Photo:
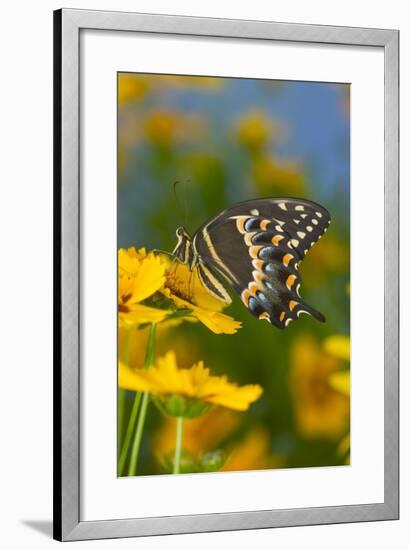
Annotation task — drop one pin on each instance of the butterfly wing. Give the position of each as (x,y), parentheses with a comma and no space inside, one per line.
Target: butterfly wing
(257,246)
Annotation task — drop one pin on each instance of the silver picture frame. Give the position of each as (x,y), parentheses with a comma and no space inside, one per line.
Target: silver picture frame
(68,24)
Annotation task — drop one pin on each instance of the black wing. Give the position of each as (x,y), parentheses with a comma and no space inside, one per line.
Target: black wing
(257,246)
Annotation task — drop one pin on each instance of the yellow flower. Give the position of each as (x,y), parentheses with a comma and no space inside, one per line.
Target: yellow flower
(202,83)
(131,87)
(186,291)
(320,410)
(255,129)
(339,346)
(253,453)
(274,175)
(140,275)
(194,384)
(160,128)
(201,434)
(332,255)
(341,381)
(165,128)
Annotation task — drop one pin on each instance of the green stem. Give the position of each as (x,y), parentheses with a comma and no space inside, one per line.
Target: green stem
(121,418)
(133,463)
(150,351)
(178,446)
(122,393)
(129,431)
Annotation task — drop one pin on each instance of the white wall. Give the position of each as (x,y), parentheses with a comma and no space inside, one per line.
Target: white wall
(25,289)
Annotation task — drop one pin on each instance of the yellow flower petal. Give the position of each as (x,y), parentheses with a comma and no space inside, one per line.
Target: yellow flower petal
(339,346)
(214,320)
(137,314)
(239,399)
(341,382)
(130,379)
(140,276)
(219,323)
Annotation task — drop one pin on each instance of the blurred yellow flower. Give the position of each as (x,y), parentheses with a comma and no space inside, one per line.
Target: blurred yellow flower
(273,175)
(320,410)
(165,128)
(203,83)
(132,342)
(253,453)
(160,127)
(331,255)
(255,129)
(139,276)
(186,291)
(196,383)
(341,381)
(131,87)
(201,434)
(339,346)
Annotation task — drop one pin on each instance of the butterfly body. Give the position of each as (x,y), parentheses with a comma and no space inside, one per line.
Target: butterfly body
(256,246)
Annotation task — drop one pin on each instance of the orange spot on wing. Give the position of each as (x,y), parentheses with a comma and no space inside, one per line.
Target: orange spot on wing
(240,221)
(264,224)
(245,295)
(253,288)
(258,276)
(287,259)
(276,239)
(282,315)
(290,281)
(248,237)
(264,315)
(292,304)
(254,250)
(258,264)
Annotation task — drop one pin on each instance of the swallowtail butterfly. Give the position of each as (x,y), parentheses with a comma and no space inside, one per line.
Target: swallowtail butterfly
(257,247)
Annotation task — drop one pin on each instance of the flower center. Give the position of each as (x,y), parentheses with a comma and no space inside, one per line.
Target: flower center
(125,297)
(178,287)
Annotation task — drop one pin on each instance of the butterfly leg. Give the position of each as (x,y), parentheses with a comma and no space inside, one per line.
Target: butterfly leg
(165,252)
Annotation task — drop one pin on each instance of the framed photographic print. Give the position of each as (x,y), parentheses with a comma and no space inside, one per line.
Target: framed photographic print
(214,180)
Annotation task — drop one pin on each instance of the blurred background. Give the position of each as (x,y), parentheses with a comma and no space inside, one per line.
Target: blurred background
(226,140)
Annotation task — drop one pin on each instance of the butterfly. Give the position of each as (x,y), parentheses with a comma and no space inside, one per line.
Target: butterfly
(256,246)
